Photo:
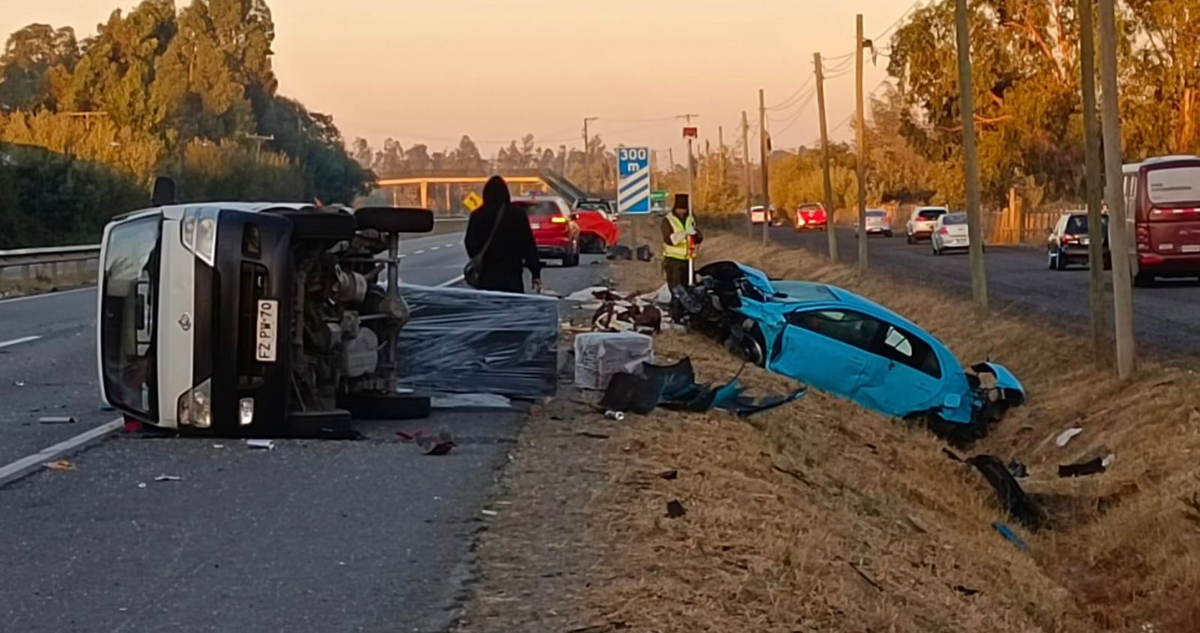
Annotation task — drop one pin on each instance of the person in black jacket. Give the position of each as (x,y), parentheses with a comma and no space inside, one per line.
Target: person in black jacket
(512,248)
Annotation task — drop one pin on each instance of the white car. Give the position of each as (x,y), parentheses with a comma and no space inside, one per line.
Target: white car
(950,233)
(921,224)
(878,223)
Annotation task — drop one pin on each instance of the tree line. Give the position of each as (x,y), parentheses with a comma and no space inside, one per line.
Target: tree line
(188,92)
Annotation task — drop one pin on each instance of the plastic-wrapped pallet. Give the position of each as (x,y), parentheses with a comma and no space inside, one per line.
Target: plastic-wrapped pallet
(461,340)
(601,355)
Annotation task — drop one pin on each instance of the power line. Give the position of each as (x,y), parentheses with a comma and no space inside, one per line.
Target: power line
(786,103)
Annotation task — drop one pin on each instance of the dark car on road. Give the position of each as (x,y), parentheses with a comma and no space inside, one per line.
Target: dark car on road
(1067,244)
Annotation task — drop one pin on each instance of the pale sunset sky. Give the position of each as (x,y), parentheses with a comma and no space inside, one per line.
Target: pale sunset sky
(429,71)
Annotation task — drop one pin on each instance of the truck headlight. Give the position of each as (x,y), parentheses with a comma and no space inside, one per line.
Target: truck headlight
(198,232)
(195,406)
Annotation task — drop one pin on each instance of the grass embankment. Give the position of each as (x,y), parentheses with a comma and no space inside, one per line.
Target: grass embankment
(821,516)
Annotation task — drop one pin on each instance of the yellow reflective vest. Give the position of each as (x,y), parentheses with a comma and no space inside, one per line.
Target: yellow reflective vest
(682,250)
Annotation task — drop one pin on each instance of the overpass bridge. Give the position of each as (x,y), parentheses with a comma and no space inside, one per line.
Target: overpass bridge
(444,190)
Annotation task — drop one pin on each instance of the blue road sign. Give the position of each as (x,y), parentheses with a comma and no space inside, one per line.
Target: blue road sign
(633,181)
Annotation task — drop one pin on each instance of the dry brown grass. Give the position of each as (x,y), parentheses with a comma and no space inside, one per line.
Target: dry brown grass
(784,514)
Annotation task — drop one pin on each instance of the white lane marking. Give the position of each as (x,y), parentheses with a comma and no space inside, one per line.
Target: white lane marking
(18,341)
(46,295)
(419,252)
(434,248)
(450,246)
(30,464)
(452,281)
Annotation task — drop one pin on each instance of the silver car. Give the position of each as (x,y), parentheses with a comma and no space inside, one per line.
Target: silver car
(878,223)
(950,233)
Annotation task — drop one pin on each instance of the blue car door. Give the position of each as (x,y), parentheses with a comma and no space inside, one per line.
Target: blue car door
(905,376)
(826,349)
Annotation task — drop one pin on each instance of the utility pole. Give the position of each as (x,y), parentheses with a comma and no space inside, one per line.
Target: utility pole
(862,151)
(830,211)
(1091,153)
(766,184)
(587,155)
(691,167)
(258,139)
(746,167)
(1114,192)
(970,154)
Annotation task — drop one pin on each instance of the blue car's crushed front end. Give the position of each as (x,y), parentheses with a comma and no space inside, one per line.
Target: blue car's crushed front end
(746,310)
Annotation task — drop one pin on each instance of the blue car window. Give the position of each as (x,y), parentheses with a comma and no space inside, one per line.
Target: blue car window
(902,347)
(871,335)
(848,327)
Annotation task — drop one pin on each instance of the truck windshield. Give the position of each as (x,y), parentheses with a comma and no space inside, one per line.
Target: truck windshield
(128,307)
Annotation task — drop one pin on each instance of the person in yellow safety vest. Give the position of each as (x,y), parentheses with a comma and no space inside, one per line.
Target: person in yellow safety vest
(680,238)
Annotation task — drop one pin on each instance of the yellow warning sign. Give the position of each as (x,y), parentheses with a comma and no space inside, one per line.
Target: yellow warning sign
(472,201)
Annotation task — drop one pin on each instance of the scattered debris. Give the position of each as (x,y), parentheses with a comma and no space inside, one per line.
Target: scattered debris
(675,509)
(268,445)
(615,415)
(966,591)
(644,254)
(1018,470)
(1088,467)
(19,383)
(593,435)
(864,576)
(601,355)
(1012,497)
(952,455)
(168,478)
(406,437)
(471,401)
(104,406)
(674,387)
(56,420)
(218,446)
(1067,436)
(1007,533)
(142,485)
(489,513)
(670,475)
(437,445)
(621,252)
(60,465)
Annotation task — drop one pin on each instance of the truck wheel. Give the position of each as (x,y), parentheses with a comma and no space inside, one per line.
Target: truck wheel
(321,225)
(382,406)
(395,219)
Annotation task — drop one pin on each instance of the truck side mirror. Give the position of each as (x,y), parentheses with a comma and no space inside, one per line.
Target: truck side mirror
(163,193)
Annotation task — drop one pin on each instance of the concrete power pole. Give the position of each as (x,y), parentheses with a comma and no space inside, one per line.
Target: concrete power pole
(1110,117)
(746,168)
(587,155)
(830,211)
(971,156)
(862,153)
(766,185)
(691,166)
(1091,150)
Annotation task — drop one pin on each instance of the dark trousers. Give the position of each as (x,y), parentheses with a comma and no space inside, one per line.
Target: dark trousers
(677,275)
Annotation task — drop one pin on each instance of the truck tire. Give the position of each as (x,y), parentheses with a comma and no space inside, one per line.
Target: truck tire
(379,406)
(333,226)
(395,219)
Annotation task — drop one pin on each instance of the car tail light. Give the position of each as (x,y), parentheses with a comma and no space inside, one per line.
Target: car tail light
(1143,238)
(558,219)
(1067,238)
(944,231)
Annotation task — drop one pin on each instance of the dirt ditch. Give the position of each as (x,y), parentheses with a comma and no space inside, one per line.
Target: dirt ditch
(821,516)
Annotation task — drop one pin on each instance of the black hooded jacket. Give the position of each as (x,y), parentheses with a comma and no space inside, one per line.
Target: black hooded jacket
(513,247)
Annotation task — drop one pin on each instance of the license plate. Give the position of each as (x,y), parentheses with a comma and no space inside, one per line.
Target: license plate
(534,225)
(266,336)
(1191,248)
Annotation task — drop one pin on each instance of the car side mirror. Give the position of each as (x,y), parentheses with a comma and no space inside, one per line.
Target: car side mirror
(952,401)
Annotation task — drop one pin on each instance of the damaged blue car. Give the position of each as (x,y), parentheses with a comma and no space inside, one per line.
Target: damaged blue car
(844,344)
